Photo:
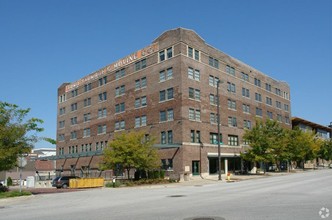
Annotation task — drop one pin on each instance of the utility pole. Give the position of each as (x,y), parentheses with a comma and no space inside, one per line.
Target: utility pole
(218,138)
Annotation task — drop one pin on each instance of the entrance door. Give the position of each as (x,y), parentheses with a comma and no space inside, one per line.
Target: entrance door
(195,168)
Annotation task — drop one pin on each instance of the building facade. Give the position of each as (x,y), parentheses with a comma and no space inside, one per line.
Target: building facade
(168,90)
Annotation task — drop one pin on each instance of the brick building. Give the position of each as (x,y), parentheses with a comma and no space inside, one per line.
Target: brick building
(169,90)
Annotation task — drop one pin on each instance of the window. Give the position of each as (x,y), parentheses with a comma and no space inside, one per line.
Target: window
(120,73)
(247,124)
(101,129)
(73,121)
(73,135)
(167,164)
(102,113)
(278,91)
(62,98)
(213,118)
(161,55)
(166,74)
(233,140)
(214,138)
(120,90)
(140,65)
(102,96)
(140,102)
(87,87)
(213,81)
(120,107)
(61,124)
(196,54)
(170,136)
(194,74)
(190,52)
(195,136)
(232,122)
(87,117)
(287,121)
(140,121)
(213,99)
(268,101)
(169,52)
(166,139)
(278,104)
(167,115)
(166,94)
(194,94)
(269,114)
(231,87)
(61,137)
(194,114)
(268,87)
(245,76)
(102,81)
(87,102)
(214,62)
(140,83)
(74,92)
(279,118)
(258,97)
(62,111)
(120,125)
(230,70)
(259,112)
(257,82)
(86,132)
(73,107)
(246,108)
(245,92)
(231,104)
(286,107)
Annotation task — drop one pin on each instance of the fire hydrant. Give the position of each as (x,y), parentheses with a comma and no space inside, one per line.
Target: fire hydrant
(228,176)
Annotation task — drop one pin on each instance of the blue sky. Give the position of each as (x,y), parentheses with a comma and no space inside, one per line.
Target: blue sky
(45,43)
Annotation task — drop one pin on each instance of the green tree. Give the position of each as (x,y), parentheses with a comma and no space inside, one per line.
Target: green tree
(17,134)
(267,143)
(325,152)
(303,145)
(131,151)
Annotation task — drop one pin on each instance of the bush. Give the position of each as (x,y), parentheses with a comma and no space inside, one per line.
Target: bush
(3,188)
(9,181)
(110,184)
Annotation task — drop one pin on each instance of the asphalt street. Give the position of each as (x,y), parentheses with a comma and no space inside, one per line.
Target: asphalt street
(295,196)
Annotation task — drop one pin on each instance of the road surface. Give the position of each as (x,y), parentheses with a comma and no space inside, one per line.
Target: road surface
(295,196)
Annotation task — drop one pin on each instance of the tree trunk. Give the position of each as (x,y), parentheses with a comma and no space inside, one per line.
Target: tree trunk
(128,173)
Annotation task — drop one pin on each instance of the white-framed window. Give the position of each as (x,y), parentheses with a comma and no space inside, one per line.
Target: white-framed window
(140,102)
(246,108)
(258,97)
(230,70)
(165,54)
(86,132)
(194,93)
(231,87)
(231,104)
(245,76)
(245,92)
(140,83)
(120,73)
(140,64)
(247,124)
(102,96)
(165,95)
(87,117)
(214,62)
(232,122)
(121,107)
(213,81)
(268,101)
(233,140)
(120,90)
(257,82)
(102,81)
(194,114)
(102,112)
(166,74)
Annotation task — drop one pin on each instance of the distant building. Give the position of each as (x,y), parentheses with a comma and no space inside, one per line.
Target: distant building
(169,90)
(320,130)
(36,166)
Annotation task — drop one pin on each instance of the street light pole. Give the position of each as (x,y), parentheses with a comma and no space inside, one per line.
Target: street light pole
(331,131)
(218,138)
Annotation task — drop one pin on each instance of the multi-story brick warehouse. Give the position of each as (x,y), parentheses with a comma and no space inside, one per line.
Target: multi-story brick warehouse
(168,90)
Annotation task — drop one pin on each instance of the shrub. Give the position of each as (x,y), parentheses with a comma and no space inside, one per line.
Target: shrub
(9,181)
(3,188)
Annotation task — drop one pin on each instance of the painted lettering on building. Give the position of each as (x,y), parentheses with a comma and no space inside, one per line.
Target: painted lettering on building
(118,64)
